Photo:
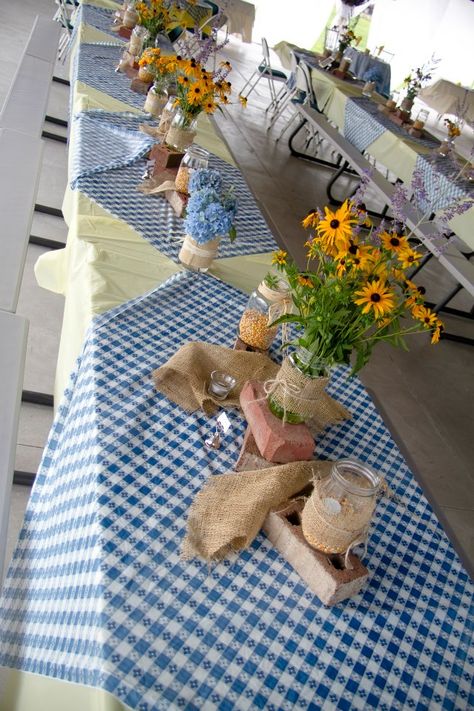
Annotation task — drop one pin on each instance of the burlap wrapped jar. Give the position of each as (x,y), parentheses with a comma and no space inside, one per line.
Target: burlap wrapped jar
(145,75)
(337,515)
(181,132)
(155,102)
(130,17)
(198,257)
(297,397)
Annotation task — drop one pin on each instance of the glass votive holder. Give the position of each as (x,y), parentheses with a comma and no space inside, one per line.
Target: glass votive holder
(422,116)
(220,384)
(368,88)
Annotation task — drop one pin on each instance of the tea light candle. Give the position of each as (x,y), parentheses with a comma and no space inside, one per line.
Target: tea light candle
(221,384)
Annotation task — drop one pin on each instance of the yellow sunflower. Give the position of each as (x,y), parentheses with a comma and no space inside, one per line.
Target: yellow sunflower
(377,297)
(311,219)
(336,227)
(409,258)
(279,257)
(305,281)
(393,242)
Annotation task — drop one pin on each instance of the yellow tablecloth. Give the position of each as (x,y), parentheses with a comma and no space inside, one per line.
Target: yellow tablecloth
(395,152)
(105,261)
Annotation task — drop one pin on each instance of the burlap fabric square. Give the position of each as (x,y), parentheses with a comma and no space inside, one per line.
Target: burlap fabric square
(229,511)
(185,377)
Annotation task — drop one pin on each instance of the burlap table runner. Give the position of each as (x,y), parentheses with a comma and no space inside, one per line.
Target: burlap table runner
(229,511)
(185,377)
(296,392)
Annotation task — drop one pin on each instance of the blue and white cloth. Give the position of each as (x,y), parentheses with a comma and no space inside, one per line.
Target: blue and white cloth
(107,167)
(95,65)
(364,123)
(97,593)
(99,17)
(442,182)
(107,140)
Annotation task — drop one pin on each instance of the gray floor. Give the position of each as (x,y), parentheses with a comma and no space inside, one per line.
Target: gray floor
(426,395)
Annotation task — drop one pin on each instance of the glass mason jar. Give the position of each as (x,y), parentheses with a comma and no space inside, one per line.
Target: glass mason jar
(182,131)
(195,158)
(130,16)
(155,101)
(337,515)
(264,306)
(167,114)
(368,88)
(446,148)
(145,75)
(301,379)
(198,257)
(138,37)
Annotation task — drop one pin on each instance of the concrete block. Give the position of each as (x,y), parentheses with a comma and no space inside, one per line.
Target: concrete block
(140,87)
(125,32)
(276,441)
(165,157)
(325,575)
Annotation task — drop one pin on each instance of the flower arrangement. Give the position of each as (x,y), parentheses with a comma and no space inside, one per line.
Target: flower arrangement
(454,129)
(163,69)
(358,295)
(200,90)
(154,15)
(346,38)
(210,212)
(418,78)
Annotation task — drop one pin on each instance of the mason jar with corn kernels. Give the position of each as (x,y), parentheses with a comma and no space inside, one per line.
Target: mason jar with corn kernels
(264,306)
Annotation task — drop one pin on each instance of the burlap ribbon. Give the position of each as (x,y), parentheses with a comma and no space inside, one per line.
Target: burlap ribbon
(185,377)
(229,511)
(295,392)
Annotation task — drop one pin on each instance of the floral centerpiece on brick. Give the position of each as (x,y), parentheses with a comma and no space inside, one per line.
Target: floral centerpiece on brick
(210,214)
(415,81)
(356,296)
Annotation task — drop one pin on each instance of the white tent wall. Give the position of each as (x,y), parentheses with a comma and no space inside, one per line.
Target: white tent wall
(298,21)
(414,30)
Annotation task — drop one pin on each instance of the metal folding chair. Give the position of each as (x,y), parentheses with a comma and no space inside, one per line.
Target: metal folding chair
(273,76)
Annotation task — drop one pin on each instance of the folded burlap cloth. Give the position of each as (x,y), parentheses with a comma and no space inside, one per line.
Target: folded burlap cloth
(185,377)
(229,511)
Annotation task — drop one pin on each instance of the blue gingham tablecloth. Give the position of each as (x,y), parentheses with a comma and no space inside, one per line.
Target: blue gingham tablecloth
(364,123)
(442,182)
(97,593)
(99,17)
(94,64)
(362,63)
(106,166)
(107,140)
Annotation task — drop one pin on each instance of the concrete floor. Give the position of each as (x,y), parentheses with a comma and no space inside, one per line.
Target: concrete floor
(426,395)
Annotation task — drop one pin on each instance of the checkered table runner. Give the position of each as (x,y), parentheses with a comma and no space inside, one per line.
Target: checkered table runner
(364,123)
(442,182)
(99,17)
(97,593)
(108,171)
(107,140)
(95,65)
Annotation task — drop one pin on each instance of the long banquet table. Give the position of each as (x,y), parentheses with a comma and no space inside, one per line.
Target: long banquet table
(99,611)
(120,248)
(358,119)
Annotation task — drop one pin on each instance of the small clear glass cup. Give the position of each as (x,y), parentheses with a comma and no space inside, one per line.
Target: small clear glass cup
(221,384)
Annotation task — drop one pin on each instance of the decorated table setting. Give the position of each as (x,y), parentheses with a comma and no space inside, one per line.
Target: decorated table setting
(123,242)
(390,134)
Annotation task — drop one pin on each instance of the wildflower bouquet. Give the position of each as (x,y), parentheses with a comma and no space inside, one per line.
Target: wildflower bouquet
(454,129)
(210,211)
(200,90)
(418,78)
(154,15)
(163,69)
(346,38)
(358,295)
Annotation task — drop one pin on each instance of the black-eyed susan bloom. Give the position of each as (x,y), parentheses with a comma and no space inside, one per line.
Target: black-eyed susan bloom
(394,242)
(311,220)
(336,227)
(408,258)
(243,100)
(280,257)
(375,297)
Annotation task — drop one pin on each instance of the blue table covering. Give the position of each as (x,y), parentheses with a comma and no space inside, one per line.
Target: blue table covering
(97,593)
(443,184)
(364,123)
(100,17)
(369,68)
(106,166)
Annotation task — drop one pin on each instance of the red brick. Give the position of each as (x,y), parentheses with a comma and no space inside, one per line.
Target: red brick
(276,441)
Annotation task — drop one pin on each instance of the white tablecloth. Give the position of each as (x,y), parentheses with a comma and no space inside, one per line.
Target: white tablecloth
(240,18)
(446,98)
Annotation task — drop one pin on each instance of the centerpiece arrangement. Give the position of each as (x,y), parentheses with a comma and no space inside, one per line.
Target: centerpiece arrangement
(161,71)
(415,81)
(210,215)
(356,295)
(198,90)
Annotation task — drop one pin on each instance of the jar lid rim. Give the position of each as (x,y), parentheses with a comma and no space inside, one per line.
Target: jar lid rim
(360,468)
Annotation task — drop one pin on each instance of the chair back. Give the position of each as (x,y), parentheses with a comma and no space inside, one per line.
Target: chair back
(304,82)
(386,56)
